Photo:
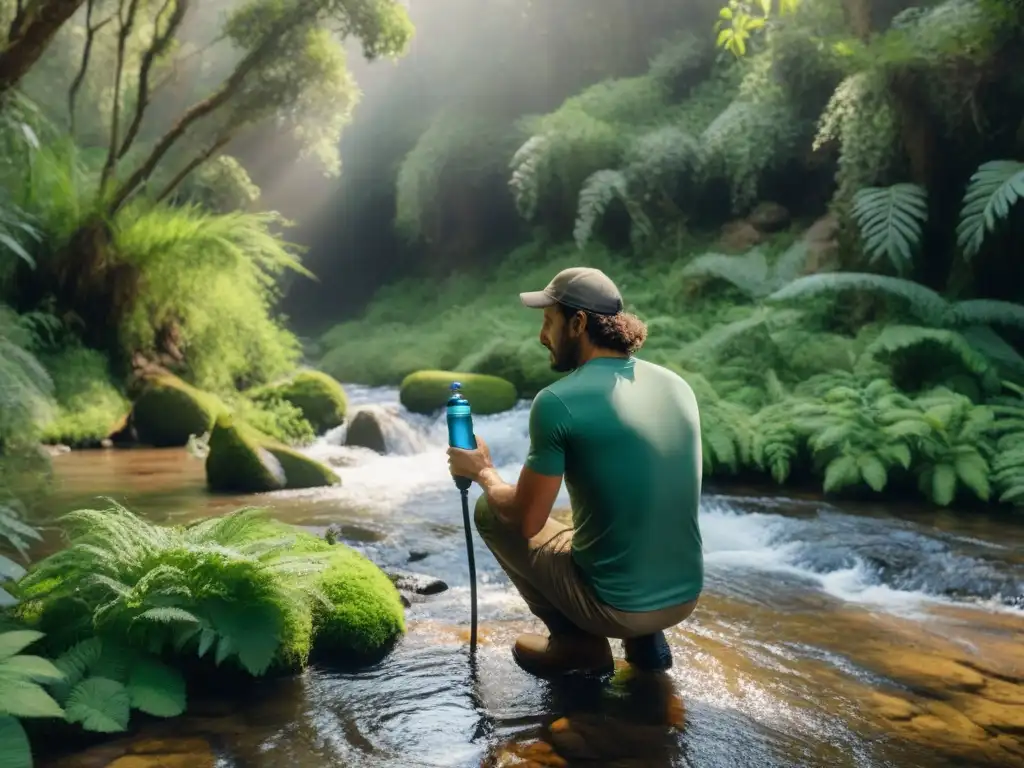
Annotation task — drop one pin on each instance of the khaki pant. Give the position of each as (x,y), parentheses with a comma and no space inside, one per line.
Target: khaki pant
(543,571)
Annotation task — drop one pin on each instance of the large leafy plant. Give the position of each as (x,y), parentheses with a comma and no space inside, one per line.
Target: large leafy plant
(22,694)
(220,587)
(101,682)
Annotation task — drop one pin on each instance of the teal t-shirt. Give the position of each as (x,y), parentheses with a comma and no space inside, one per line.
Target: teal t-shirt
(626,435)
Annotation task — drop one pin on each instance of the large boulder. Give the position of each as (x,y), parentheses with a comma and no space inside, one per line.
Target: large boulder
(168,411)
(321,399)
(243,460)
(366,430)
(427,392)
(364,615)
(524,363)
(769,217)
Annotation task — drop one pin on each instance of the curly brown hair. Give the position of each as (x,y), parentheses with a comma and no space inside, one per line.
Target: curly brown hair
(622,332)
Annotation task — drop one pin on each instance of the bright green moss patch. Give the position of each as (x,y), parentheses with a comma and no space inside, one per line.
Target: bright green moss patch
(365,616)
(237,463)
(169,411)
(90,406)
(428,391)
(320,398)
(242,460)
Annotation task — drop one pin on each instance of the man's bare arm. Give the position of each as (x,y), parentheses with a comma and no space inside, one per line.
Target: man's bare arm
(527,504)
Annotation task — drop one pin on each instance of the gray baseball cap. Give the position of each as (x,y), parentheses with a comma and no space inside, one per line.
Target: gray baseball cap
(580,288)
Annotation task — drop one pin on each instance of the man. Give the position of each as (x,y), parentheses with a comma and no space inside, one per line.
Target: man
(625,434)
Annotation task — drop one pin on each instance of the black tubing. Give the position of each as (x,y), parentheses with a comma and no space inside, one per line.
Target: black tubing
(472,568)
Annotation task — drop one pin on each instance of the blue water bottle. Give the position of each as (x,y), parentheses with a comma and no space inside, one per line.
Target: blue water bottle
(460,427)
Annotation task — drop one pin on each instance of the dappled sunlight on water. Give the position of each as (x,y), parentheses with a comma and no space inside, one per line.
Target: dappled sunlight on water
(826,637)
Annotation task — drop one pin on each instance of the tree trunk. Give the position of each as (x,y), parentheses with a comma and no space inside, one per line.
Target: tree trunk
(858,16)
(30,37)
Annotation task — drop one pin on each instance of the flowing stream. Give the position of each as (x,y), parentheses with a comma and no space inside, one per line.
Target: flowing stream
(827,636)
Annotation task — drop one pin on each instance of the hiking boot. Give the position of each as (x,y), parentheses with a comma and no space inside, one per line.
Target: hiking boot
(650,653)
(560,654)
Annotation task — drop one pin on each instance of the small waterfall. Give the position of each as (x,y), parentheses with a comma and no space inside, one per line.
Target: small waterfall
(751,546)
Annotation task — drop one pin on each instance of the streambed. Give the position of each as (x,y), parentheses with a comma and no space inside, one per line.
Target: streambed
(828,635)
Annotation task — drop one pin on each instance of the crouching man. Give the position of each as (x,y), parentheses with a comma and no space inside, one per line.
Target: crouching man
(625,435)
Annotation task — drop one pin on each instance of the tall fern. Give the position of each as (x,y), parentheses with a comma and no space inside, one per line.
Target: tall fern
(924,304)
(25,405)
(750,272)
(1008,431)
(993,190)
(951,447)
(219,587)
(890,221)
(598,192)
(858,434)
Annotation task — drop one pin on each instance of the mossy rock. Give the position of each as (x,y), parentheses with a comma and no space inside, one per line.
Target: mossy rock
(526,364)
(366,431)
(427,392)
(169,411)
(321,399)
(242,460)
(365,617)
(90,405)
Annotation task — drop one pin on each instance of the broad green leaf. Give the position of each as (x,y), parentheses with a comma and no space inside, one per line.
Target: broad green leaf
(100,705)
(23,698)
(17,248)
(156,689)
(12,643)
(873,471)
(944,482)
(15,751)
(74,663)
(34,668)
(841,473)
(10,570)
(168,616)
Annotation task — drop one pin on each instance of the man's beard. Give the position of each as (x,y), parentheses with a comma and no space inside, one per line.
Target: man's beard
(566,355)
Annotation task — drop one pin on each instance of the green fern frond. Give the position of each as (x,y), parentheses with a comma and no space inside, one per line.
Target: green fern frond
(527,166)
(896,339)
(748,272)
(127,578)
(599,190)
(663,154)
(993,190)
(989,343)
(924,303)
(890,221)
(988,312)
(789,265)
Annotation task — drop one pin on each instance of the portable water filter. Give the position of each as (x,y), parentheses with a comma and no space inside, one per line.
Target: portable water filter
(460,435)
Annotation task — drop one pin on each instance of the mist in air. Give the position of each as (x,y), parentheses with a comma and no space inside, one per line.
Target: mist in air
(475,68)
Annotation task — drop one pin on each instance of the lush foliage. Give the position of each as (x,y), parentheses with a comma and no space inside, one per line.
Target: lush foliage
(217,587)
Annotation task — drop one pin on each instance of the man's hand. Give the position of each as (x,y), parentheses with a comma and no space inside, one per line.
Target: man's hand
(470,463)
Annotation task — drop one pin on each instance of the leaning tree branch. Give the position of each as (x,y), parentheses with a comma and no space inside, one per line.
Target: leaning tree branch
(18,22)
(91,30)
(207,106)
(194,163)
(127,25)
(30,34)
(161,42)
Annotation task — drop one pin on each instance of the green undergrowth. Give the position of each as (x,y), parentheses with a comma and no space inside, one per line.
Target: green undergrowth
(122,619)
(90,405)
(793,382)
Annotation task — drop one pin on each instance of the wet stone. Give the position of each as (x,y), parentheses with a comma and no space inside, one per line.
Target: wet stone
(349,532)
(417,583)
(418,554)
(893,708)
(184,752)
